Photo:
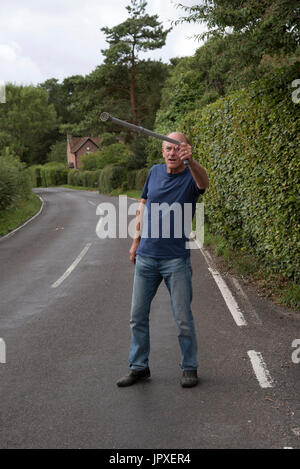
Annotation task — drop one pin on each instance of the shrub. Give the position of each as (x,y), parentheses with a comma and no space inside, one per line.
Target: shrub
(117,153)
(131,175)
(248,143)
(15,181)
(54,174)
(111,177)
(141,176)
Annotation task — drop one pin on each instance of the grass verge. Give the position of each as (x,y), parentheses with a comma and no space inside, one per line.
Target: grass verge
(130,193)
(280,290)
(18,213)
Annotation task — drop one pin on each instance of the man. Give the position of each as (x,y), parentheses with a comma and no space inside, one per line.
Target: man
(158,257)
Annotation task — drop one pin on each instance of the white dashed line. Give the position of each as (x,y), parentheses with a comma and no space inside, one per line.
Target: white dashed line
(260,369)
(72,267)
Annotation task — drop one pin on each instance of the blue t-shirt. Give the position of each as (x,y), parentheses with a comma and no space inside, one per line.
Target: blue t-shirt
(169,210)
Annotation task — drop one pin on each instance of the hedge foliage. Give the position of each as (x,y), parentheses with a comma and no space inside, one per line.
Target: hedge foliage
(249,144)
(15,181)
(83,178)
(50,174)
(112,154)
(111,177)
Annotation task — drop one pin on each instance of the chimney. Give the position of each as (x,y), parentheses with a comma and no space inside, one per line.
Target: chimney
(69,138)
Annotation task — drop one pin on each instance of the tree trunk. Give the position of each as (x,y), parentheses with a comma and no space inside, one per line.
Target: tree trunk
(132,87)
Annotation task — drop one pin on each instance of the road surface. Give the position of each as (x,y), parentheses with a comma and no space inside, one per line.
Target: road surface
(64,323)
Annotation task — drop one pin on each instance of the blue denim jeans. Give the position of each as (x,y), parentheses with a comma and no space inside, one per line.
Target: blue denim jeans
(177,274)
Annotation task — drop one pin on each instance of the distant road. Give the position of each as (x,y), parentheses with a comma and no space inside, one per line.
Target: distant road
(64,319)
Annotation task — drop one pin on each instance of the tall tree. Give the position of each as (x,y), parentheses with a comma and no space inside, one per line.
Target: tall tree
(274,25)
(140,32)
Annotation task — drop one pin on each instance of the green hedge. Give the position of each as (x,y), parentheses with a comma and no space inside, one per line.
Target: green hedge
(112,177)
(83,178)
(140,179)
(249,144)
(15,183)
(49,174)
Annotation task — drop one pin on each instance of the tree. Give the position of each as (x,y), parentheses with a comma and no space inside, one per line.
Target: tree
(27,122)
(140,32)
(274,25)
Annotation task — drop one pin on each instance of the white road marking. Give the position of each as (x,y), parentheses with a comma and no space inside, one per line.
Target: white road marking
(260,369)
(229,299)
(72,267)
(11,233)
(92,203)
(255,317)
(225,291)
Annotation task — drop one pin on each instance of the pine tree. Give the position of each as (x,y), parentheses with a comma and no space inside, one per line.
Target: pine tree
(140,32)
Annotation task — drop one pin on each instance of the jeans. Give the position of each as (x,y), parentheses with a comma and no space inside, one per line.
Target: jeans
(177,274)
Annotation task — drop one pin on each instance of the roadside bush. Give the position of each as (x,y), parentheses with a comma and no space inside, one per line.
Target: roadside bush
(131,175)
(90,178)
(35,175)
(111,177)
(140,179)
(117,153)
(74,177)
(249,144)
(15,181)
(53,174)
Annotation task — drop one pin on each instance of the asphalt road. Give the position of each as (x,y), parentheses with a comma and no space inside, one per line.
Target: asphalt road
(67,338)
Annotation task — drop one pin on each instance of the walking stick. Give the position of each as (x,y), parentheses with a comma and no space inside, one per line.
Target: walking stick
(107,117)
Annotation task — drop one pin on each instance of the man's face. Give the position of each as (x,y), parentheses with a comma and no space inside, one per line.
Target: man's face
(170,153)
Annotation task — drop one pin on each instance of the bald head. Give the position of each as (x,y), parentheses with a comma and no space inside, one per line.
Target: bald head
(177,136)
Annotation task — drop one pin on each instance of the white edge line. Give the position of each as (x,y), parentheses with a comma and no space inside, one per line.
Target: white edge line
(260,369)
(229,299)
(11,233)
(241,292)
(225,291)
(72,266)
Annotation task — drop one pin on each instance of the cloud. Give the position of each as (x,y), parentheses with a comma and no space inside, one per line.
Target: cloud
(60,38)
(17,68)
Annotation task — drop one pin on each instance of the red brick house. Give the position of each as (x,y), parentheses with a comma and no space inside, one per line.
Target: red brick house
(78,146)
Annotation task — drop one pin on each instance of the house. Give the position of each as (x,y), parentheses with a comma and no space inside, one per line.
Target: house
(78,146)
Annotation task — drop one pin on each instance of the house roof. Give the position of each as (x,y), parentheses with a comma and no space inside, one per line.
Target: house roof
(77,142)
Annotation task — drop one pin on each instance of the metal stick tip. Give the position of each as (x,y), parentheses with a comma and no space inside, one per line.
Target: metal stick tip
(105,116)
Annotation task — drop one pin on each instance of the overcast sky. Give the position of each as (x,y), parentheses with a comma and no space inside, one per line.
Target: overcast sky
(41,39)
